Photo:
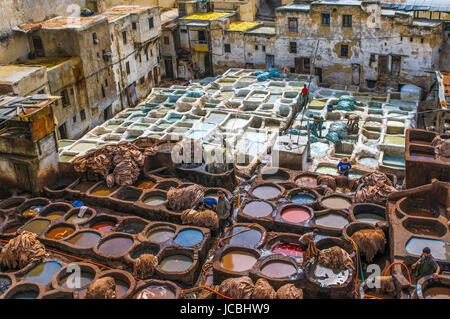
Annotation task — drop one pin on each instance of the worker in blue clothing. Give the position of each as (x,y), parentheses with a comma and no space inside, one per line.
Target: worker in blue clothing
(344,166)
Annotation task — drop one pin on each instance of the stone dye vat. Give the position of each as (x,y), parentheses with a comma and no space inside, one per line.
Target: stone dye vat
(440,249)
(189,237)
(238,261)
(115,245)
(43,272)
(331,220)
(85,239)
(176,263)
(36,226)
(293,213)
(336,202)
(288,249)
(243,236)
(160,234)
(278,269)
(266,191)
(258,209)
(60,232)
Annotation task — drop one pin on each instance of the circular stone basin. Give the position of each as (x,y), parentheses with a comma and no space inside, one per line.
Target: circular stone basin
(333,220)
(60,232)
(122,287)
(104,227)
(102,190)
(43,273)
(295,214)
(85,239)
(12,229)
(278,269)
(266,191)
(249,237)
(325,169)
(85,280)
(279,176)
(32,211)
(159,235)
(336,202)
(292,250)
(307,181)
(145,184)
(115,246)
(189,237)
(27,294)
(370,218)
(155,292)
(176,263)
(437,293)
(5,283)
(132,227)
(303,198)
(139,252)
(55,215)
(257,209)
(74,219)
(155,200)
(36,226)
(238,261)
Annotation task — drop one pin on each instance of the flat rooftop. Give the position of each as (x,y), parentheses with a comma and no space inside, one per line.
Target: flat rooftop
(10,74)
(242,26)
(12,107)
(112,16)
(69,22)
(209,16)
(128,9)
(263,30)
(169,15)
(48,62)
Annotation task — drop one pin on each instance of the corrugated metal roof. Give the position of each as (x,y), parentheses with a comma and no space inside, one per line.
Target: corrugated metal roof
(418,5)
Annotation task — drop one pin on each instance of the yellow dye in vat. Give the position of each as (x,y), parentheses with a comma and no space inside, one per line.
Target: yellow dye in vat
(397,140)
(317,103)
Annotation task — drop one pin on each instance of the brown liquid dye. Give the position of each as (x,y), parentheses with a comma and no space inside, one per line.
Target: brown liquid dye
(437,293)
(278,269)
(335,202)
(238,261)
(60,233)
(102,190)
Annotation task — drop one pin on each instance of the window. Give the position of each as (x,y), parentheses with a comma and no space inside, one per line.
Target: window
(133,25)
(292,25)
(127,66)
(227,48)
(292,47)
(264,48)
(347,21)
(326,19)
(142,80)
(373,58)
(140,58)
(82,115)
(201,36)
(396,63)
(183,30)
(124,37)
(94,38)
(107,113)
(62,131)
(411,39)
(292,70)
(371,84)
(64,98)
(256,48)
(344,50)
(401,38)
(103,91)
(74,119)
(166,40)
(106,82)
(150,23)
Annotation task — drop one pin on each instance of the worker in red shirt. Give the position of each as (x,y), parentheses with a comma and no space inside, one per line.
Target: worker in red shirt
(304,95)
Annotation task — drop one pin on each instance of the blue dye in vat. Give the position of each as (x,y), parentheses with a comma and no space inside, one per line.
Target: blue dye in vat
(303,198)
(189,237)
(393,160)
(5,283)
(43,273)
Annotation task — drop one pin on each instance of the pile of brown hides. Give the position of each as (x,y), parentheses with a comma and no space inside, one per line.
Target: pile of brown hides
(370,242)
(326,180)
(335,258)
(103,288)
(21,251)
(375,189)
(180,199)
(119,164)
(145,265)
(206,218)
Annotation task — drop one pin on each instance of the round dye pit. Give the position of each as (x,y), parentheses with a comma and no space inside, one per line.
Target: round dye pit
(5,283)
(121,288)
(335,202)
(303,198)
(85,239)
(104,227)
(370,218)
(115,246)
(307,181)
(155,200)
(329,170)
(12,229)
(103,191)
(84,186)
(266,191)
(295,215)
(238,261)
(333,220)
(31,294)
(36,226)
(437,293)
(85,280)
(146,184)
(159,235)
(43,273)
(131,228)
(54,215)
(155,292)
(60,233)
(249,237)
(439,249)
(139,252)
(189,237)
(292,250)
(278,269)
(176,263)
(280,176)
(32,211)
(74,219)
(257,209)
(368,161)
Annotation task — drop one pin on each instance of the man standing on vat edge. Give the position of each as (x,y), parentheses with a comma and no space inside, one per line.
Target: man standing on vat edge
(425,265)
